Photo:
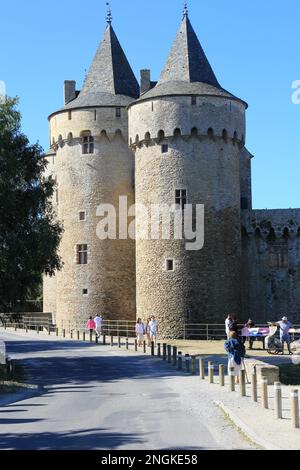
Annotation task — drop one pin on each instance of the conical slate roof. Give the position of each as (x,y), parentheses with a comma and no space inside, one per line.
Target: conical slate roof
(110,80)
(187,60)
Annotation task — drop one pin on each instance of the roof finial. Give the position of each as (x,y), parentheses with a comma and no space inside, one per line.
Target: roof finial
(109,14)
(185,9)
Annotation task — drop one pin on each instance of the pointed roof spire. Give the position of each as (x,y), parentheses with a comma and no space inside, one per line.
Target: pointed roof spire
(185,9)
(110,71)
(187,60)
(109,14)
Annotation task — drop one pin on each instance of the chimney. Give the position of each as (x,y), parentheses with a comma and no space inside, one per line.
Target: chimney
(69,91)
(145,81)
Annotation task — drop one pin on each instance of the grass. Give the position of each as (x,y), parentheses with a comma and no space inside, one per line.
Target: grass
(289,374)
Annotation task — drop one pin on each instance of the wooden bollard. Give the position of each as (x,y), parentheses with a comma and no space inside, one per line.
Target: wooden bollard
(49,330)
(222,375)
(78,335)
(264,393)
(104,339)
(169,349)
(278,400)
(145,347)
(254,385)
(174,355)
(15,327)
(164,352)
(295,409)
(71,334)
(83,336)
(96,338)
(135,345)
(152,348)
(26,329)
(187,363)
(112,341)
(193,365)
(119,341)
(64,333)
(127,343)
(179,361)
(211,372)
(91,336)
(243,383)
(232,380)
(38,330)
(158,350)
(202,369)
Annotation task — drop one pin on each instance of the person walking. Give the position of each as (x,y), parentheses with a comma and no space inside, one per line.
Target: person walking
(246,332)
(98,322)
(236,353)
(147,331)
(227,325)
(285,325)
(140,330)
(153,327)
(91,326)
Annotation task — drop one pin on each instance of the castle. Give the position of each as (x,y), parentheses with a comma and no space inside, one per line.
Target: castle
(180,140)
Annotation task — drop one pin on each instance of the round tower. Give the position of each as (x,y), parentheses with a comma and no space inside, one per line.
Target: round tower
(94,166)
(187,134)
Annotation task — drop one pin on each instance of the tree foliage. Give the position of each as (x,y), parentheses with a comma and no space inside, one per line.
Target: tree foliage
(29,232)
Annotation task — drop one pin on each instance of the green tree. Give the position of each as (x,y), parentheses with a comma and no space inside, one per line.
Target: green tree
(29,233)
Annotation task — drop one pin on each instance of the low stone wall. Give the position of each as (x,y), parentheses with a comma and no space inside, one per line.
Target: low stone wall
(263,370)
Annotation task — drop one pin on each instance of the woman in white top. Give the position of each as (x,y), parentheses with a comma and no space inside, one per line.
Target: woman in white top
(139,328)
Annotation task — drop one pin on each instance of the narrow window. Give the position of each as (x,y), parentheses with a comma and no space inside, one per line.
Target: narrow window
(164,148)
(70,115)
(181,198)
(152,106)
(85,291)
(87,144)
(95,115)
(118,112)
(194,100)
(82,254)
(82,216)
(169,265)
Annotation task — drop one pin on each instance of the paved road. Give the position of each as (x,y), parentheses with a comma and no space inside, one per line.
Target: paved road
(96,397)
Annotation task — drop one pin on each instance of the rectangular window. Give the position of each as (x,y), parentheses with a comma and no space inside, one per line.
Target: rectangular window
(82,254)
(95,115)
(181,198)
(169,265)
(88,145)
(70,115)
(194,100)
(85,291)
(82,216)
(279,257)
(118,112)
(164,148)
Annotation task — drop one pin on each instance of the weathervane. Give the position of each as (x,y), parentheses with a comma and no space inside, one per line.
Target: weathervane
(109,14)
(185,10)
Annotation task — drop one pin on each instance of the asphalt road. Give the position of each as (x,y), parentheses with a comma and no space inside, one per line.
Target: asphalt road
(98,397)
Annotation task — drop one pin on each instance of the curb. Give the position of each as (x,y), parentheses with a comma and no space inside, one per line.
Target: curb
(245,429)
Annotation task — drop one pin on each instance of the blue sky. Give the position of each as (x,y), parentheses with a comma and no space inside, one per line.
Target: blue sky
(253,46)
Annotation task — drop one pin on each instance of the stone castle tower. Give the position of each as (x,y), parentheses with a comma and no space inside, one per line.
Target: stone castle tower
(93,165)
(184,138)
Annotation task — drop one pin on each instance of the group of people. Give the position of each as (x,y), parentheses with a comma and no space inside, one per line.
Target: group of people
(235,344)
(150,329)
(95,324)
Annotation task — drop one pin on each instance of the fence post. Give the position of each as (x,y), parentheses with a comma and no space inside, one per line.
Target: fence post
(104,339)
(243,383)
(164,351)
(264,393)
(158,350)
(174,355)
(193,365)
(78,335)
(112,341)
(222,375)
(169,349)
(278,400)
(83,336)
(119,341)
(202,368)
(207,332)
(135,345)
(145,347)
(180,361)
(254,385)
(295,409)
(187,363)
(127,343)
(71,334)
(211,372)
(64,333)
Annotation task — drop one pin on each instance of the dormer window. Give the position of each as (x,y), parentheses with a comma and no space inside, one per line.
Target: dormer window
(87,143)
